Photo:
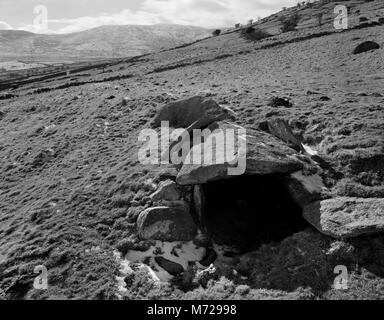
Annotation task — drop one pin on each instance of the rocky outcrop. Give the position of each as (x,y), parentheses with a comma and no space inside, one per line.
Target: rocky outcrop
(198,109)
(265,154)
(346,217)
(166,224)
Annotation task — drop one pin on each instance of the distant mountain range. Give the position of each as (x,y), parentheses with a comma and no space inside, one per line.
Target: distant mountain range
(97,43)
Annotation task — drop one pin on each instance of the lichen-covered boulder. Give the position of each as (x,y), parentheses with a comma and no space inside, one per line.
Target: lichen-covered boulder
(183,113)
(166,224)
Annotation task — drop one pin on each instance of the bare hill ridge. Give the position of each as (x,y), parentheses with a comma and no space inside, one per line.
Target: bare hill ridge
(97,43)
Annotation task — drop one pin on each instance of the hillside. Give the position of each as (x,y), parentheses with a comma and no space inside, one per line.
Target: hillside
(98,43)
(73,194)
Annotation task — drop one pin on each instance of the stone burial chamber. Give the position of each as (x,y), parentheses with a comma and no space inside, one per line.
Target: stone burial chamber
(261,205)
(249,210)
(279,193)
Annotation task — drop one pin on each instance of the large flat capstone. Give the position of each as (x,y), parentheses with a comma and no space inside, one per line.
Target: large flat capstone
(264,154)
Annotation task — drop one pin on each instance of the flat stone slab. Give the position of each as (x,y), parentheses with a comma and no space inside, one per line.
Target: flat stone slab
(346,217)
(265,154)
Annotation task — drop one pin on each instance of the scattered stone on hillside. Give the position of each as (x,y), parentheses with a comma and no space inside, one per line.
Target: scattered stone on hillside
(125,101)
(311,92)
(280,102)
(184,113)
(171,267)
(166,224)
(43,157)
(281,129)
(6,96)
(167,190)
(366,46)
(50,130)
(304,189)
(265,154)
(346,217)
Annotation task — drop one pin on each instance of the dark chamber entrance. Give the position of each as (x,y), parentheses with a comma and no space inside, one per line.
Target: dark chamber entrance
(247,211)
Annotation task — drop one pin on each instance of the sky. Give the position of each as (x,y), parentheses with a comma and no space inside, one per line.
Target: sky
(65,16)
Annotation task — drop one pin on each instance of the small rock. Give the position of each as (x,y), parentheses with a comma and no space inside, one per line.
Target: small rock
(166,224)
(125,101)
(310,92)
(346,217)
(171,267)
(167,191)
(366,46)
(43,157)
(280,102)
(50,130)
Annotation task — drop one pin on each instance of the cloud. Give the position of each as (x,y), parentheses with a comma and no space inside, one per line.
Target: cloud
(204,13)
(5,26)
